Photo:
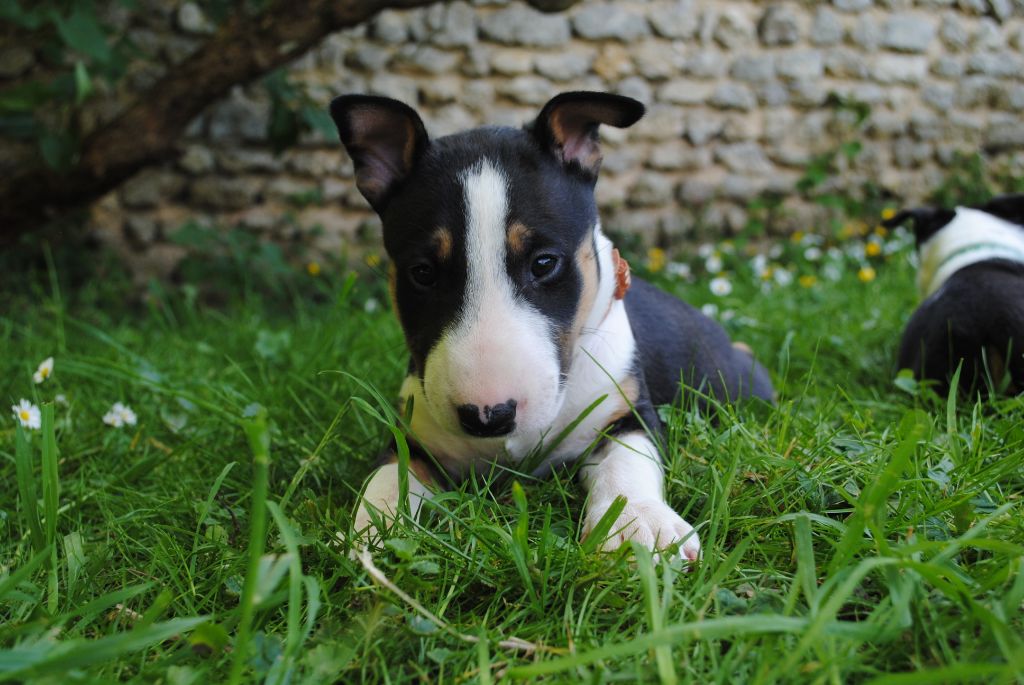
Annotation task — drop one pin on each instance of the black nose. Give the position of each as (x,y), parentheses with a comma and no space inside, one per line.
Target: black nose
(498,420)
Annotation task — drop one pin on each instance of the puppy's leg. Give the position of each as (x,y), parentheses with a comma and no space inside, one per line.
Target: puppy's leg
(628,465)
(381,498)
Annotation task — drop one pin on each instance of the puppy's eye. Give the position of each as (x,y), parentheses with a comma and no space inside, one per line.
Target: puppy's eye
(544,267)
(423,274)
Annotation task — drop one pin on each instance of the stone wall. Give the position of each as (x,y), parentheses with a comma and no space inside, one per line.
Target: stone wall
(737,94)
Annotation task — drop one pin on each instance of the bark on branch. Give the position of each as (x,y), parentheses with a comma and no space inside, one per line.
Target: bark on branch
(244,48)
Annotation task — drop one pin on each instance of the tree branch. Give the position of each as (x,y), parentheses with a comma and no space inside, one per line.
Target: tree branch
(244,48)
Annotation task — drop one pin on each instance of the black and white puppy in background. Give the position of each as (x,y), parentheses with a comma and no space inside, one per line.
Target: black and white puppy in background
(971,279)
(518,315)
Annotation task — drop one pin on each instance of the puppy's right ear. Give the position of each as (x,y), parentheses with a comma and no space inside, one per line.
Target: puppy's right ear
(384,138)
(925,221)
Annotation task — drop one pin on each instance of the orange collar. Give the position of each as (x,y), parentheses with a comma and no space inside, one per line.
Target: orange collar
(622,279)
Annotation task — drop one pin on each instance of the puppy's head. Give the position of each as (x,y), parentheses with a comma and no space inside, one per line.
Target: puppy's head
(498,259)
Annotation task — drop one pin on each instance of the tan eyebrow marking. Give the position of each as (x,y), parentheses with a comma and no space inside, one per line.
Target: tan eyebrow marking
(443,243)
(517,237)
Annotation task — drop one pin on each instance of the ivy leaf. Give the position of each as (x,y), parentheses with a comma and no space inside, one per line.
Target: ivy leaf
(58,149)
(83,83)
(318,119)
(82,32)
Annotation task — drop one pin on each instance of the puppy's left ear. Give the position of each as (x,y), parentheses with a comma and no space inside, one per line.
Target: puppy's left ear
(567,126)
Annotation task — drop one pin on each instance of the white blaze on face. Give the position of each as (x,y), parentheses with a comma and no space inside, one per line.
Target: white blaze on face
(499,347)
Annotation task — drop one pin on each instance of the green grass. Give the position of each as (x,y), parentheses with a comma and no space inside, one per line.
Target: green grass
(861,530)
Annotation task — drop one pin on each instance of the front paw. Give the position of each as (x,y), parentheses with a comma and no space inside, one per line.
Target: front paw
(651,523)
(365,528)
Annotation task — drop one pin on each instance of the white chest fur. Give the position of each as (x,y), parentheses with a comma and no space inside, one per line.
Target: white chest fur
(972,236)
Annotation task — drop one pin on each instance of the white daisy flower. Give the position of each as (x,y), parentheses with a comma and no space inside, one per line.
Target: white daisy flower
(371,305)
(713,263)
(812,254)
(27,414)
(758,264)
(44,371)
(705,250)
(680,270)
(120,415)
(721,286)
(783,276)
(710,310)
(832,272)
(61,399)
(856,251)
(775,251)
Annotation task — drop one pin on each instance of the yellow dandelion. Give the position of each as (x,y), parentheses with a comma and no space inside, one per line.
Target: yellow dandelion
(888,213)
(881,231)
(797,236)
(767,274)
(866,274)
(313,269)
(372,260)
(808,280)
(656,259)
(872,249)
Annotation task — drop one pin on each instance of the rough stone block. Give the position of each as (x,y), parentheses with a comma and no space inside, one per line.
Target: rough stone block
(753,68)
(677,20)
(800,64)
(827,27)
(684,92)
(527,90)
(608,21)
(151,187)
(899,69)
(779,25)
(908,32)
(733,96)
(744,157)
(522,25)
(651,190)
(564,65)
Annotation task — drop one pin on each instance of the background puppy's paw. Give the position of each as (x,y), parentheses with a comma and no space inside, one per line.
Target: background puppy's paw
(651,523)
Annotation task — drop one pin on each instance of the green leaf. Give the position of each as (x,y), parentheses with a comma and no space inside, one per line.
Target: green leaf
(209,638)
(318,119)
(58,149)
(74,554)
(82,32)
(271,570)
(404,548)
(83,82)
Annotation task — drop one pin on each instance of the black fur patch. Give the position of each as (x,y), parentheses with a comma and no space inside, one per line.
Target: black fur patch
(927,221)
(558,209)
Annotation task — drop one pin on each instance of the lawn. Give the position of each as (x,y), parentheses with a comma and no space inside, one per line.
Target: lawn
(863,529)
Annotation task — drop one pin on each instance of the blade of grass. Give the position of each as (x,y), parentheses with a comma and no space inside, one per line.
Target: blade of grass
(23,573)
(599,533)
(258,433)
(44,657)
(655,617)
(27,488)
(51,502)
